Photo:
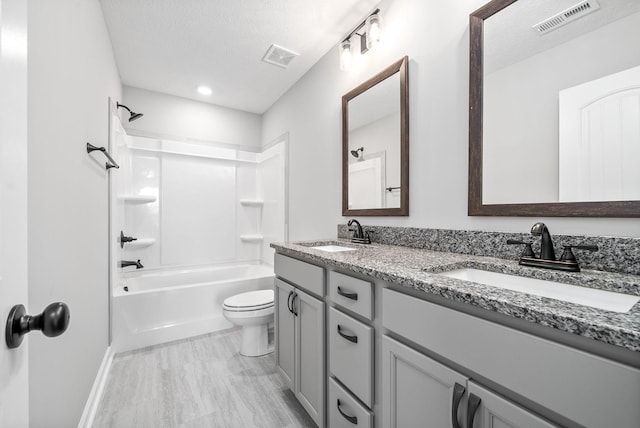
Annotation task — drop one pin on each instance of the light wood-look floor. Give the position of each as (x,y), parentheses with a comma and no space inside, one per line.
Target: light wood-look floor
(197,382)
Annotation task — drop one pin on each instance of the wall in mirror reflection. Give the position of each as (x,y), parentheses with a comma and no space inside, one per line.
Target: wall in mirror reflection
(378,166)
(525,160)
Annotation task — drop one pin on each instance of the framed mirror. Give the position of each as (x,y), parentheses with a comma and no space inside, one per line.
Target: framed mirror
(554,108)
(375,145)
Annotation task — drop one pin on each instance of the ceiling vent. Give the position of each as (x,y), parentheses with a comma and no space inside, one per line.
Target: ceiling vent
(277,55)
(575,12)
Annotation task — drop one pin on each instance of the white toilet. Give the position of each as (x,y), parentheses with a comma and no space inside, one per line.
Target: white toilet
(253,311)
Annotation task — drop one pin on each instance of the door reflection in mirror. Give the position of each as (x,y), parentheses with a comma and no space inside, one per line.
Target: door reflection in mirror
(599,150)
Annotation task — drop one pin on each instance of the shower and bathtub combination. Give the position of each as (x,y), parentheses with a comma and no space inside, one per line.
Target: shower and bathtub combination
(199,217)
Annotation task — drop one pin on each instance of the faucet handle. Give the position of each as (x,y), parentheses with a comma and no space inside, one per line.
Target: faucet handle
(568,256)
(527,251)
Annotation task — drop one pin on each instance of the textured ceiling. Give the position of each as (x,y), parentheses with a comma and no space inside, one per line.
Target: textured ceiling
(172,46)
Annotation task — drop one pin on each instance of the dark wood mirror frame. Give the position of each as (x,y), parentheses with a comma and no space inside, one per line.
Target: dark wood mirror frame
(476,207)
(401,67)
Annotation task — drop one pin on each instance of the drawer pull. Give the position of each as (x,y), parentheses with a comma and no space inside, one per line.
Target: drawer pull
(352,296)
(294,310)
(472,408)
(458,392)
(352,419)
(289,306)
(353,339)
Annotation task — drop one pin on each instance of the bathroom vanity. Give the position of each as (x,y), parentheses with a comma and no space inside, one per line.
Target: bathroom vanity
(393,341)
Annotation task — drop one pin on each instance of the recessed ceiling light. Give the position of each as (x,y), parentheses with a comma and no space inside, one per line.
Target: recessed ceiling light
(204,90)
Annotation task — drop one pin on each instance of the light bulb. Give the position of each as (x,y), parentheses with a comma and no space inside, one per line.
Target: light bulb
(346,57)
(374,30)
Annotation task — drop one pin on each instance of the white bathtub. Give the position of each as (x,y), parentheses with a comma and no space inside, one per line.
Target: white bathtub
(160,306)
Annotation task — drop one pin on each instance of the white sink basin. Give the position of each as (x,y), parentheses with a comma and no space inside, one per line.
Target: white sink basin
(333,248)
(607,300)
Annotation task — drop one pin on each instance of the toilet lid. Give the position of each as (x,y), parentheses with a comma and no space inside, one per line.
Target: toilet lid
(251,301)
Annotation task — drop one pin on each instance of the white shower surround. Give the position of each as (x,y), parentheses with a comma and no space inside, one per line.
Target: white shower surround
(199,217)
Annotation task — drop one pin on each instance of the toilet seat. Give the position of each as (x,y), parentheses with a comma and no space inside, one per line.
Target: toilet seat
(251,301)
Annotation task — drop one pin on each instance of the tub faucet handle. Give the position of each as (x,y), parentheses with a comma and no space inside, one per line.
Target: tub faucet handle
(125,239)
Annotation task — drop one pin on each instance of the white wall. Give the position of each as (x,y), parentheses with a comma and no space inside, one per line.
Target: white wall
(168,116)
(72,72)
(435,36)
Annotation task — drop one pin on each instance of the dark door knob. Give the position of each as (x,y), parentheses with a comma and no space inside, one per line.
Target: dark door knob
(53,321)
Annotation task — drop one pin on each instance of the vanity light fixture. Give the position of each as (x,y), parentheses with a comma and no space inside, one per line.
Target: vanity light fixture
(368,39)
(204,90)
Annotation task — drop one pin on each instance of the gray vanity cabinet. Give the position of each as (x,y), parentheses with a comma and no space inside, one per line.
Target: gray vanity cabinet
(309,350)
(418,391)
(493,411)
(365,352)
(299,329)
(285,334)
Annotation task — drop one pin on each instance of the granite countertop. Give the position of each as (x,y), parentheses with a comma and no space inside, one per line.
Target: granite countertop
(419,268)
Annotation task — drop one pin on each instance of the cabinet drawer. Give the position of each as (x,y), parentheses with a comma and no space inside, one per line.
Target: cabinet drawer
(352,293)
(345,411)
(305,275)
(351,354)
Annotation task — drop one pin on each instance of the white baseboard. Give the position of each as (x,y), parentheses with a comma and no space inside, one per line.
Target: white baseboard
(91,407)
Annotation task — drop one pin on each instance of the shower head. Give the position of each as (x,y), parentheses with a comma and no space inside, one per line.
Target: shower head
(355,153)
(132,114)
(135,116)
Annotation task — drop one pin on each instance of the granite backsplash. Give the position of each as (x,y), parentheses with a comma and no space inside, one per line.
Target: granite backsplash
(620,255)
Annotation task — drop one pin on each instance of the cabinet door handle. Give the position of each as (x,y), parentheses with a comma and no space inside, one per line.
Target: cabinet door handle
(289,305)
(458,392)
(352,296)
(472,408)
(353,339)
(352,419)
(293,304)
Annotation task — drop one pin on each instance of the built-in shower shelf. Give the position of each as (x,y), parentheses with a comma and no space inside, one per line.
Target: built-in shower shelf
(251,238)
(140,243)
(137,199)
(252,202)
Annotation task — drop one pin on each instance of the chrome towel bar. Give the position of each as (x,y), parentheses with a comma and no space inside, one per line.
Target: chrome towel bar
(111,164)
